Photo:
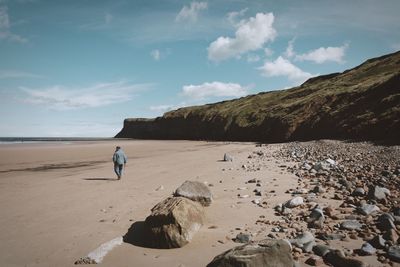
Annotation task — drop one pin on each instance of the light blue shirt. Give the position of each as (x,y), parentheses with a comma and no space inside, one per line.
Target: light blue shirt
(119,157)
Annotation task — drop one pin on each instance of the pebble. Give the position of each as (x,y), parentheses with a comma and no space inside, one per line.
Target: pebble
(368,249)
(351,225)
(294,202)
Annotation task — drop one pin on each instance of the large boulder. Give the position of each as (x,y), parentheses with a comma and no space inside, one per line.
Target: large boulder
(266,253)
(195,191)
(173,222)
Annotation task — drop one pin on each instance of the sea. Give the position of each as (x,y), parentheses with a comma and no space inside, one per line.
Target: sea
(64,140)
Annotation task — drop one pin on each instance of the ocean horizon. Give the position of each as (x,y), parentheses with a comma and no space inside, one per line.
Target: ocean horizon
(25,140)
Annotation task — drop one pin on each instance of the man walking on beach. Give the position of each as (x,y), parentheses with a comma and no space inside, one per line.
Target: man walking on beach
(119,160)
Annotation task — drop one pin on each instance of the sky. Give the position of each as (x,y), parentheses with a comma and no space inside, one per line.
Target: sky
(78,68)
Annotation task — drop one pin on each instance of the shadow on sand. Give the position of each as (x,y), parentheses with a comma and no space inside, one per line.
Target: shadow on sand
(100,179)
(136,235)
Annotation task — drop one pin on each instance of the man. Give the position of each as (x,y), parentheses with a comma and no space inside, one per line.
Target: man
(119,160)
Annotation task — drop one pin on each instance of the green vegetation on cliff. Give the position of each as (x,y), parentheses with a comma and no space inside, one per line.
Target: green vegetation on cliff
(361,103)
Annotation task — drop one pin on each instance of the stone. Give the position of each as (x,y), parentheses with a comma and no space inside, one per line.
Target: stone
(316,218)
(378,193)
(351,225)
(318,189)
(195,191)
(332,236)
(331,161)
(386,222)
(228,157)
(321,250)
(391,235)
(368,209)
(338,259)
(359,192)
(173,223)
(321,166)
(266,253)
(242,238)
(314,261)
(294,202)
(378,242)
(302,239)
(368,249)
(394,253)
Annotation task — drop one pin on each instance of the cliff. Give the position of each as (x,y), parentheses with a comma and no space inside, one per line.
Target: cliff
(362,104)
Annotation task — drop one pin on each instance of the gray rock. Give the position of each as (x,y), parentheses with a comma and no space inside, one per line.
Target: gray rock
(378,193)
(195,191)
(242,238)
(359,192)
(396,211)
(368,209)
(318,189)
(302,239)
(368,249)
(316,218)
(266,253)
(386,222)
(394,253)
(351,225)
(228,157)
(338,259)
(307,247)
(332,236)
(294,202)
(173,223)
(322,166)
(378,242)
(321,250)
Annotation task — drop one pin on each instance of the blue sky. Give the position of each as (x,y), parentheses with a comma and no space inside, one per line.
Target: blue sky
(80,67)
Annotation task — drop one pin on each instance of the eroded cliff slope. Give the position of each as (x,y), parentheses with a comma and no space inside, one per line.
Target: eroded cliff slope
(362,103)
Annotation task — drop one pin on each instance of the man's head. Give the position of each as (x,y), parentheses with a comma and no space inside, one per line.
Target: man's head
(118,148)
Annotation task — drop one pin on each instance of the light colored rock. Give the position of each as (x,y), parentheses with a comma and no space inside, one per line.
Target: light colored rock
(173,223)
(368,249)
(266,253)
(302,239)
(351,225)
(228,157)
(368,209)
(294,202)
(195,191)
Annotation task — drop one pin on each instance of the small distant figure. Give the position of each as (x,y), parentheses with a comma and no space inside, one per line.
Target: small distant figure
(119,159)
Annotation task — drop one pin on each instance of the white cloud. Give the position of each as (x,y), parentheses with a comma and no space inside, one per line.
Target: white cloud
(289,53)
(232,16)
(12,74)
(250,35)
(98,95)
(5,33)
(323,54)
(162,108)
(214,89)
(190,13)
(283,67)
(155,54)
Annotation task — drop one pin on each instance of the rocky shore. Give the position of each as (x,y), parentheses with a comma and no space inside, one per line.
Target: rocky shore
(345,210)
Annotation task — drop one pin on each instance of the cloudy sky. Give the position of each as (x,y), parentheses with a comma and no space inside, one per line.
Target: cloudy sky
(80,67)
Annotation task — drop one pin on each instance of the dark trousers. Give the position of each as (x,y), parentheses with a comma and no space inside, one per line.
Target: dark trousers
(118,169)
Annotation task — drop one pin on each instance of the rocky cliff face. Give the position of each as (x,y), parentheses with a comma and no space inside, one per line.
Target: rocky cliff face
(362,103)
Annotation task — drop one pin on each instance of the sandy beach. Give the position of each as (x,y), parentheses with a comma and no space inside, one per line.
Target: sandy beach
(60,201)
